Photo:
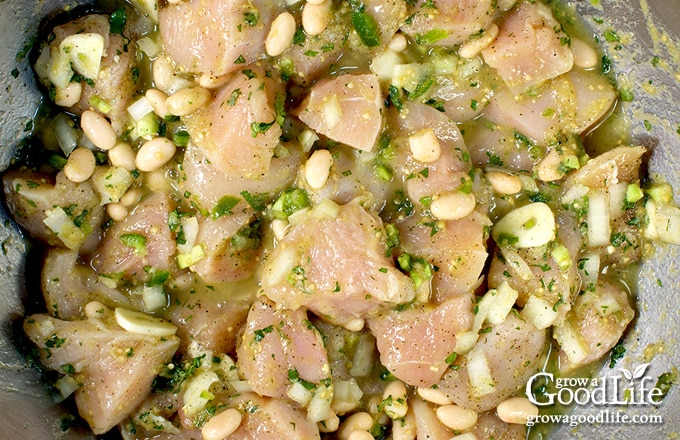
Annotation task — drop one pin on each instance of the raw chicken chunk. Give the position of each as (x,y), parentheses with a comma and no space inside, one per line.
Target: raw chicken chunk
(335,265)
(238,131)
(115,367)
(530,48)
(279,347)
(414,344)
(346,109)
(214,36)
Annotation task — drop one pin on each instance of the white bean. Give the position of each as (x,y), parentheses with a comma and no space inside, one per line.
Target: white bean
(456,417)
(394,397)
(424,145)
(80,165)
(316,17)
(473,47)
(360,434)
(464,436)
(585,55)
(280,34)
(355,325)
(213,82)
(158,101)
(122,155)
(222,425)
(517,410)
(187,100)
(116,211)
(453,205)
(95,309)
(331,424)
(355,422)
(434,396)
(69,95)
(398,43)
(131,198)
(154,154)
(405,429)
(317,168)
(504,183)
(98,129)
(163,73)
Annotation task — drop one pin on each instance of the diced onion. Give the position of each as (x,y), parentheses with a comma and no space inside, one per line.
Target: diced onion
(111,183)
(66,134)
(148,46)
(617,196)
(319,408)
(517,264)
(85,52)
(599,230)
(186,260)
(501,303)
(154,298)
(148,8)
(384,63)
(480,376)
(539,312)
(241,386)
(190,230)
(140,108)
(663,222)
(332,112)
(346,396)
(298,393)
(197,395)
(531,225)
(571,343)
(66,386)
(589,269)
(61,224)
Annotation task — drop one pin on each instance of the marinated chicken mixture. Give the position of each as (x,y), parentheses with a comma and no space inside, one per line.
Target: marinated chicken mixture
(324,218)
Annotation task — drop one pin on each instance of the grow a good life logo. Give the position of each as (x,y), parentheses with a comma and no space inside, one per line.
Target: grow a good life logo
(628,388)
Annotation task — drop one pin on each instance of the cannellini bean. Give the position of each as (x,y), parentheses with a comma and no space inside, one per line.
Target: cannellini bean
(69,95)
(355,422)
(280,34)
(433,395)
(317,168)
(406,428)
(398,43)
(131,198)
(95,309)
(473,47)
(158,99)
(80,165)
(98,129)
(516,410)
(316,17)
(163,73)
(585,55)
(213,82)
(424,145)
(187,100)
(394,397)
(360,434)
(116,211)
(504,183)
(355,325)
(222,425)
(154,154)
(456,417)
(280,228)
(331,424)
(453,205)
(122,155)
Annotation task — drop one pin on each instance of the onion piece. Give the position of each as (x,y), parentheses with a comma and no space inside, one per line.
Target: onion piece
(140,108)
(528,226)
(599,230)
(480,376)
(65,132)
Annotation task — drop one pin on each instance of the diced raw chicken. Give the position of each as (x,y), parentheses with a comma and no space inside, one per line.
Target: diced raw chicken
(428,425)
(209,320)
(209,185)
(115,84)
(620,164)
(346,109)
(530,47)
(239,130)
(493,144)
(279,347)
(388,16)
(465,96)
(513,351)
(115,367)
(415,343)
(31,197)
(571,103)
(336,267)
(489,426)
(457,248)
(68,286)
(442,175)
(271,419)
(214,36)
(140,241)
(595,324)
(226,257)
(455,20)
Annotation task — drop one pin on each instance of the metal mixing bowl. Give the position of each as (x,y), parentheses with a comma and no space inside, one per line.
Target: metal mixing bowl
(648,28)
